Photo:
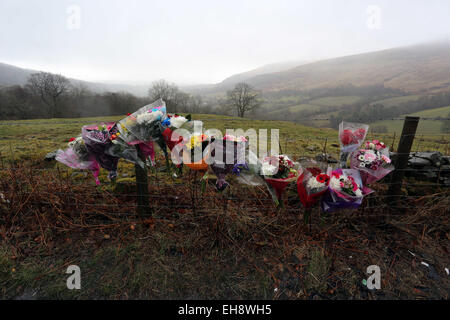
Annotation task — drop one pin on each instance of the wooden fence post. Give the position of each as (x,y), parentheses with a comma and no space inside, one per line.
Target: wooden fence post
(404,148)
(142,186)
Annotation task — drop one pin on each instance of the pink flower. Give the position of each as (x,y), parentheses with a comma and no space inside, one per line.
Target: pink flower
(369,156)
(386,159)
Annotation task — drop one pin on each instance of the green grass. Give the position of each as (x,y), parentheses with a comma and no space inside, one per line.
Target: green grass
(426,127)
(335,101)
(433,113)
(27,139)
(390,102)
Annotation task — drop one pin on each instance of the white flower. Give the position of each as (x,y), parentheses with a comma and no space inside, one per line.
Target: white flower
(358,193)
(335,184)
(314,184)
(78,140)
(268,170)
(148,117)
(177,122)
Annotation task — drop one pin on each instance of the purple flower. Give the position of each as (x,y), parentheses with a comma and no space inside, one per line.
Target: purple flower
(239,167)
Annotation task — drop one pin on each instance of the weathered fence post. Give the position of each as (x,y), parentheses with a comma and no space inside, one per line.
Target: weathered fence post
(404,148)
(142,186)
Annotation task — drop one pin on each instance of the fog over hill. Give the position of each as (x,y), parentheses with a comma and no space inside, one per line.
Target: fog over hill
(423,68)
(419,68)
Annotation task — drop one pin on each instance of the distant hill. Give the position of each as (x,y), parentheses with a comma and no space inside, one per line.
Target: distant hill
(414,69)
(12,75)
(269,68)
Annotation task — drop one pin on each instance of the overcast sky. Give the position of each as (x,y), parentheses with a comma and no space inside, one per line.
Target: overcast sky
(137,41)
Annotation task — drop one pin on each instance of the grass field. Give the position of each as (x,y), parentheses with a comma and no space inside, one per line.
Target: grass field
(391,102)
(426,127)
(335,101)
(204,245)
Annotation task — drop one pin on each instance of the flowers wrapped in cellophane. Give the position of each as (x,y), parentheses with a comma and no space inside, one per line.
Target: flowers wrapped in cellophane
(144,125)
(97,139)
(77,156)
(119,148)
(312,183)
(372,161)
(345,190)
(279,171)
(227,155)
(351,136)
(143,128)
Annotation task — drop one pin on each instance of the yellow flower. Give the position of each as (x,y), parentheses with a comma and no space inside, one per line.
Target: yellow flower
(123,127)
(195,142)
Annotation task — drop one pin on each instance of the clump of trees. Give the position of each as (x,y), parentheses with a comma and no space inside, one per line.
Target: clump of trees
(176,100)
(50,88)
(47,95)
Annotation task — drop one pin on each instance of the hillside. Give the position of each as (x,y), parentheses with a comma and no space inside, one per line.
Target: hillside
(11,75)
(270,68)
(429,123)
(416,69)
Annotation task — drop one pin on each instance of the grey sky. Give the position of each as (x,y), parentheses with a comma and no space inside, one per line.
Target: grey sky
(137,41)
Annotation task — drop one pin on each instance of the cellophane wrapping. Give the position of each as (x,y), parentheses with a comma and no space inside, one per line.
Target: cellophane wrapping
(351,136)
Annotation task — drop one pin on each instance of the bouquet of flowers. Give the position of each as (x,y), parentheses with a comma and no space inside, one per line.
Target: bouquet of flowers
(311,185)
(373,161)
(77,156)
(345,190)
(169,125)
(279,171)
(97,139)
(227,155)
(119,148)
(144,125)
(351,136)
(193,156)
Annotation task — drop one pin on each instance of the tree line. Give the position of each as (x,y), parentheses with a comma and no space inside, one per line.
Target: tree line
(47,95)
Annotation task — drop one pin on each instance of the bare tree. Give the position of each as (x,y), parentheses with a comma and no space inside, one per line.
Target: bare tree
(168,92)
(243,98)
(196,104)
(49,87)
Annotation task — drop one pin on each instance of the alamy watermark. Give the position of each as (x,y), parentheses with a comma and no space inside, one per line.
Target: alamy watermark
(252,145)
(373,21)
(73,21)
(74,280)
(374,281)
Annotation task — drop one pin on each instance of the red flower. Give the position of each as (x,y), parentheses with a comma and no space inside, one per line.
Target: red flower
(71,139)
(128,114)
(360,133)
(323,178)
(346,137)
(314,171)
(336,175)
